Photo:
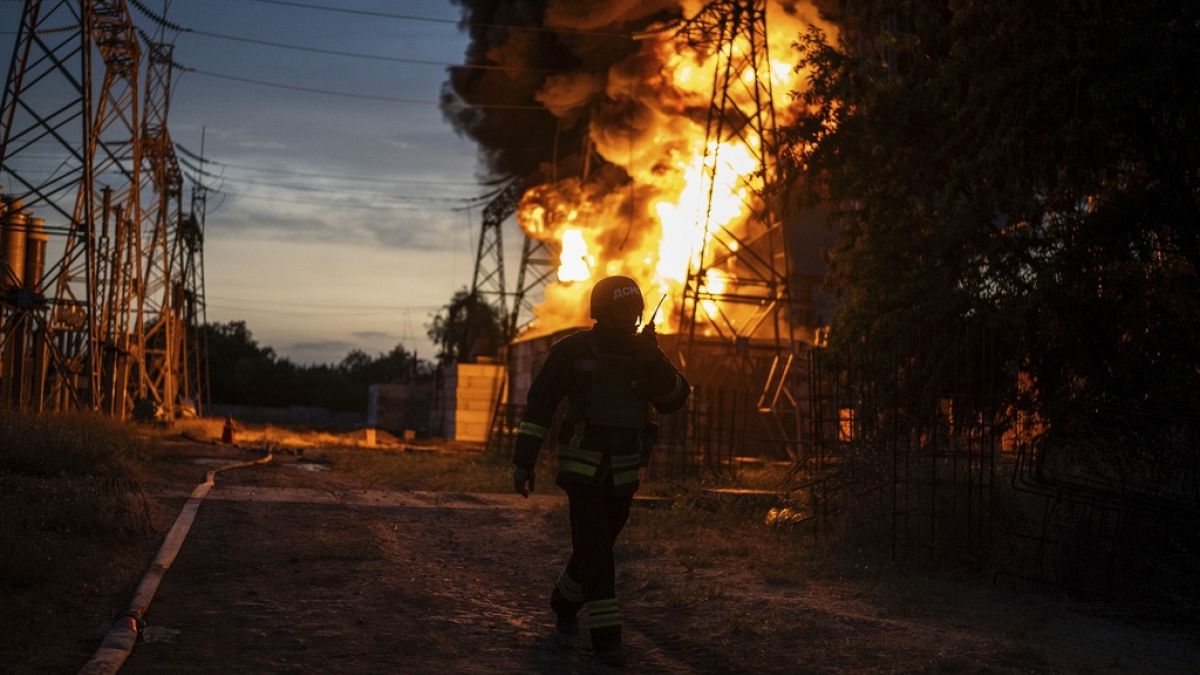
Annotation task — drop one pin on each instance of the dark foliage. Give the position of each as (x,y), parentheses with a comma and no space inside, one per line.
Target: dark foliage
(1031,168)
(245,373)
(466,328)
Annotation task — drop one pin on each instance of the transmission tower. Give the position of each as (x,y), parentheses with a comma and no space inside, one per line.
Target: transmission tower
(488,280)
(162,335)
(737,289)
(539,263)
(72,85)
(536,267)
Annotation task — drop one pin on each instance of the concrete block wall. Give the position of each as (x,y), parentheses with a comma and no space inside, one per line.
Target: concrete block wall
(468,398)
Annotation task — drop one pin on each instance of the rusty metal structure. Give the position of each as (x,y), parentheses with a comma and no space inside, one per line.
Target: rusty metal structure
(750,312)
(89,318)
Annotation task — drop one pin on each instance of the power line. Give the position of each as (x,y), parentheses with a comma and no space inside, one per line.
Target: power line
(364,207)
(155,17)
(455,22)
(361,55)
(303,188)
(313,174)
(320,305)
(348,94)
(465,201)
(259,310)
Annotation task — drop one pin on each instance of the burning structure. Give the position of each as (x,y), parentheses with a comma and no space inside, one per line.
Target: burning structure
(654,155)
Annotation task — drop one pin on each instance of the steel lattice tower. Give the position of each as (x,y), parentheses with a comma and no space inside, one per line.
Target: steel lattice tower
(536,267)
(162,335)
(72,84)
(488,281)
(737,289)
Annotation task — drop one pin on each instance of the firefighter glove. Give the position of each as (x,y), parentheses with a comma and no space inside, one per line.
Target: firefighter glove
(523,480)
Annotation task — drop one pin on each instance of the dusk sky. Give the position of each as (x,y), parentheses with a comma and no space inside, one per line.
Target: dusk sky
(362,254)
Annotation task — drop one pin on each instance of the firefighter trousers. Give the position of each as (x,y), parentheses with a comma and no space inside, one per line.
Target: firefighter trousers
(597,515)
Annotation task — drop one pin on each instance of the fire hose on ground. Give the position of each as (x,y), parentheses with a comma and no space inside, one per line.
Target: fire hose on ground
(118,643)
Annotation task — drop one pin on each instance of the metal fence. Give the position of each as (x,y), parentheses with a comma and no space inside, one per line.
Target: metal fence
(929,458)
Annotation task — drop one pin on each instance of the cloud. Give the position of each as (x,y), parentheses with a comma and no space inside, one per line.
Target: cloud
(272,215)
(322,345)
(261,145)
(318,351)
(374,335)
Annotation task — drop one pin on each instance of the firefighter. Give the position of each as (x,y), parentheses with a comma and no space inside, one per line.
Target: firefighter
(610,376)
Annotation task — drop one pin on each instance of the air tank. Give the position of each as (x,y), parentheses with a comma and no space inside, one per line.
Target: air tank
(12,244)
(35,253)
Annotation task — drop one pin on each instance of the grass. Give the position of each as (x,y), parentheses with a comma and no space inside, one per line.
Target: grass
(439,471)
(703,534)
(68,445)
(72,519)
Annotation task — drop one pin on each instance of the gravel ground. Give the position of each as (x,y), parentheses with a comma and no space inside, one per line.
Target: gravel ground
(293,568)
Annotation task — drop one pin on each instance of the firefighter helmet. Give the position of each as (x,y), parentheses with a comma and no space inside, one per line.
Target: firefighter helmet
(614,291)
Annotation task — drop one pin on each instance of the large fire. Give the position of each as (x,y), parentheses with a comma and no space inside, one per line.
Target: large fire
(657,227)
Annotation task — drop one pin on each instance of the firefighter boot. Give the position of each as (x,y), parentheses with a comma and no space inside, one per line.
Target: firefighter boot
(566,621)
(606,646)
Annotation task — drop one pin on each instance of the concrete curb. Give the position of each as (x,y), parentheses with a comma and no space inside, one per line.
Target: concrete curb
(118,643)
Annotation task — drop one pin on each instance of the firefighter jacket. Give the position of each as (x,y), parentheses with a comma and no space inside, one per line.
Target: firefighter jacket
(609,384)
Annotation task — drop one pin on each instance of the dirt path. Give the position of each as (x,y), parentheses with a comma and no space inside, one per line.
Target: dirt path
(315,578)
(292,571)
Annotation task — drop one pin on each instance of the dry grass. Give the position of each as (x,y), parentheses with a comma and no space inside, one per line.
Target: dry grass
(72,519)
(208,430)
(703,535)
(443,470)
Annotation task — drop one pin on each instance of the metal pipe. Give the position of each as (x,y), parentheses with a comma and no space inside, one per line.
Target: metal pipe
(12,243)
(35,254)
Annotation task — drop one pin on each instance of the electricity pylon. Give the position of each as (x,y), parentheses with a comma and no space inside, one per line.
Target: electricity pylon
(162,335)
(72,85)
(488,282)
(100,327)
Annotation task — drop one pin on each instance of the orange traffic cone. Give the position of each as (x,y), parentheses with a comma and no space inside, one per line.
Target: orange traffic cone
(227,432)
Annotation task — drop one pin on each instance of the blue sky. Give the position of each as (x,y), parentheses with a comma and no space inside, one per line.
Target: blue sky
(319,265)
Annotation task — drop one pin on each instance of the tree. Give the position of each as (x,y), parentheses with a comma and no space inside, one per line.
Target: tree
(1030,169)
(244,373)
(466,328)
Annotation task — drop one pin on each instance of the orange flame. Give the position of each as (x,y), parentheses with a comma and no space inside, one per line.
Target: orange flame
(684,194)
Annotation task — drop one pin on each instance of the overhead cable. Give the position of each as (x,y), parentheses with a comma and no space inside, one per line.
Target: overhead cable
(304,188)
(156,18)
(455,22)
(371,57)
(335,205)
(316,305)
(339,176)
(356,95)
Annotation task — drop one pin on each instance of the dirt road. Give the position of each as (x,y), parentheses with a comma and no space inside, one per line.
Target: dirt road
(289,570)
